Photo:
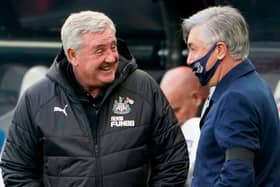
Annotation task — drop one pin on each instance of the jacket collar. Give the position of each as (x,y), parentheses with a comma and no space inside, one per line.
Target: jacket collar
(240,70)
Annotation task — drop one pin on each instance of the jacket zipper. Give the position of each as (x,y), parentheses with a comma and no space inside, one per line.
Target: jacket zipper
(98,178)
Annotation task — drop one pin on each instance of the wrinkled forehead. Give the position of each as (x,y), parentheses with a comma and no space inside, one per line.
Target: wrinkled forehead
(106,37)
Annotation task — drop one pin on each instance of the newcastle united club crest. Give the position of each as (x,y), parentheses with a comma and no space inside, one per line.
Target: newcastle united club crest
(122,105)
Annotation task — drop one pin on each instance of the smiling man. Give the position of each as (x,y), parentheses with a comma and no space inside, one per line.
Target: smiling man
(95,120)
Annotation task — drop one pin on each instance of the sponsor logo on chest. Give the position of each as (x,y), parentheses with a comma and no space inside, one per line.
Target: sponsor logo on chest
(119,121)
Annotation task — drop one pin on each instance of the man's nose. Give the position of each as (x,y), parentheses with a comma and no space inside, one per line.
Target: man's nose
(111,57)
(189,60)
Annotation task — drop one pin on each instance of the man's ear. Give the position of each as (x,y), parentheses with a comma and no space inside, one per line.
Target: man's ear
(72,57)
(222,50)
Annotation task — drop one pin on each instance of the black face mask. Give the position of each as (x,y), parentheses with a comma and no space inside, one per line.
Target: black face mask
(199,67)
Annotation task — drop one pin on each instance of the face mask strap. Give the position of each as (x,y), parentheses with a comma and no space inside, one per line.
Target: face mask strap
(208,54)
(209,73)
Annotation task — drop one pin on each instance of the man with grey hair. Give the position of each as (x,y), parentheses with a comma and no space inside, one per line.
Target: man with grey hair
(239,144)
(95,120)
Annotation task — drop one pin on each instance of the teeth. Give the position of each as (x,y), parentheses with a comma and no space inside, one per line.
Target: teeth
(106,68)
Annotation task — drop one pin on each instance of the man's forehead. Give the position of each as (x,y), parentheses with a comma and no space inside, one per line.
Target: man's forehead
(195,36)
(107,33)
(99,38)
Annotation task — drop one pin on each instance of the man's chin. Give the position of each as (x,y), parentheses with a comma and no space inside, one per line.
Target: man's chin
(108,80)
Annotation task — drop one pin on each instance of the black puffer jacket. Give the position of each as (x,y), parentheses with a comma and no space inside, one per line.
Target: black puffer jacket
(130,140)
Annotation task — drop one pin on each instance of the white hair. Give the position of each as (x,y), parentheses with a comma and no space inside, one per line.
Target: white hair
(80,23)
(221,23)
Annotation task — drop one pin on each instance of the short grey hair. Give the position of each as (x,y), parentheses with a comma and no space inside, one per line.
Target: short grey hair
(83,22)
(221,23)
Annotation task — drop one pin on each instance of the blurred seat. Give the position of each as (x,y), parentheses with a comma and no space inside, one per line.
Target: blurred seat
(10,83)
(31,76)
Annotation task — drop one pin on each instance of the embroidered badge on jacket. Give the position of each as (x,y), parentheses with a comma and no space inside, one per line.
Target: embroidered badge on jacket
(122,105)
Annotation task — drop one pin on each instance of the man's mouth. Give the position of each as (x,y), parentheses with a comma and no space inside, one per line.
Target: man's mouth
(106,67)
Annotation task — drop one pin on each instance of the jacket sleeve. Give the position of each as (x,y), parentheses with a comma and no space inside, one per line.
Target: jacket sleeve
(170,160)
(236,127)
(21,160)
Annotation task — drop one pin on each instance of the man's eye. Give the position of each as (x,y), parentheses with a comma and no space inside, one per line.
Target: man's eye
(99,51)
(190,49)
(114,46)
